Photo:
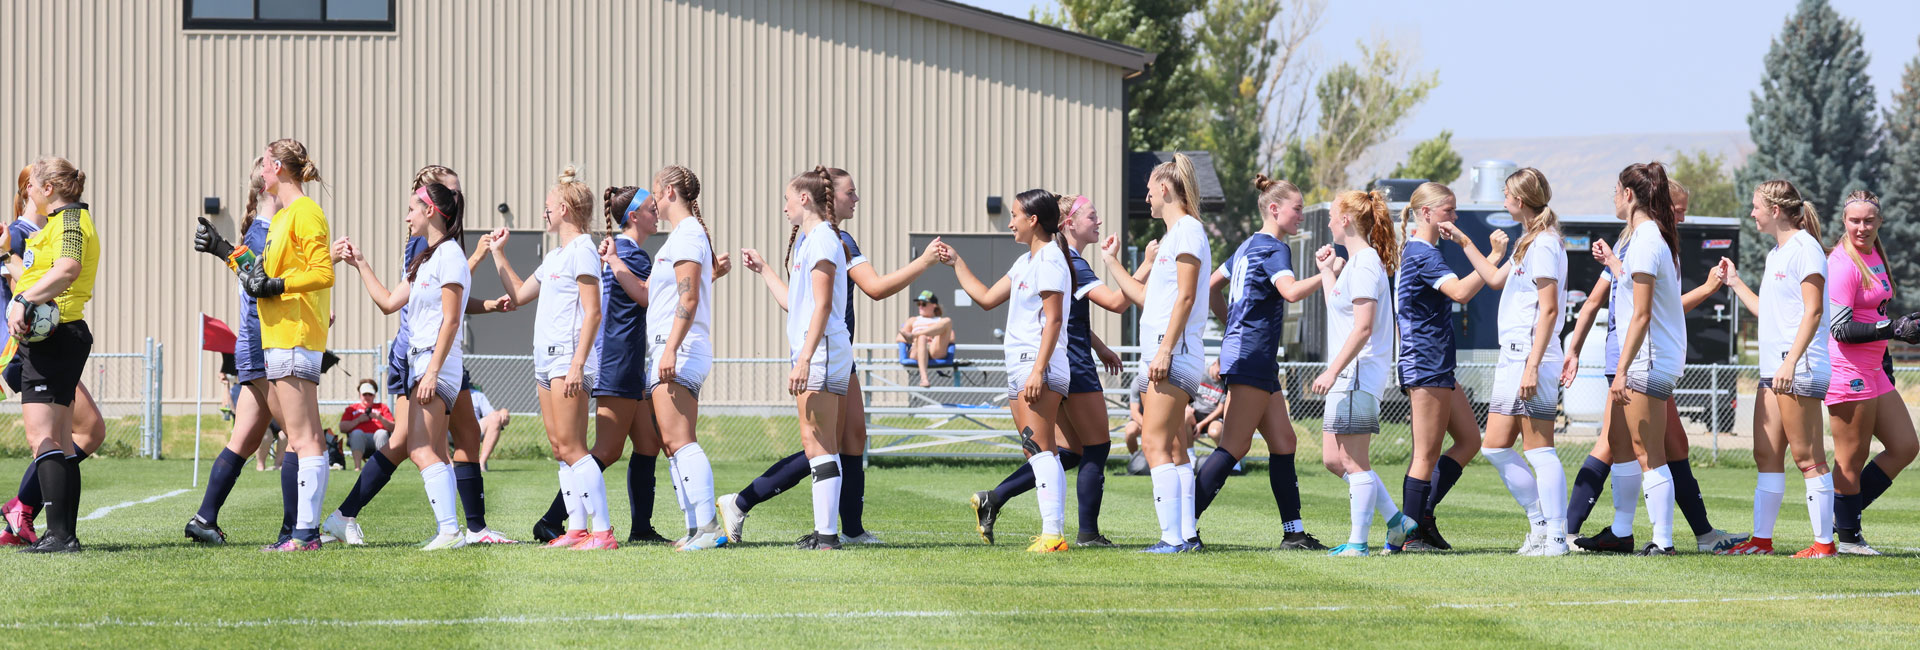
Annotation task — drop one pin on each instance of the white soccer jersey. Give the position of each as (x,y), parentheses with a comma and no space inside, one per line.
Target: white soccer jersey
(1782,306)
(1546,259)
(1032,275)
(1184,237)
(1665,347)
(1364,277)
(446,266)
(687,243)
(821,244)
(558,314)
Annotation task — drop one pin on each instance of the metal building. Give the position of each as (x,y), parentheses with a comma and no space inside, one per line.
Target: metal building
(933,105)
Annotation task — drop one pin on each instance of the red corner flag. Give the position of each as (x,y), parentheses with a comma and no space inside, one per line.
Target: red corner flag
(215,336)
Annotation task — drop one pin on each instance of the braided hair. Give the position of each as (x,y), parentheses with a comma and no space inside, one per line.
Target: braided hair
(817,185)
(687,185)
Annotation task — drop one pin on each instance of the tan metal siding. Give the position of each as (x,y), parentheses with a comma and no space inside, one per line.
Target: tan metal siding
(930,117)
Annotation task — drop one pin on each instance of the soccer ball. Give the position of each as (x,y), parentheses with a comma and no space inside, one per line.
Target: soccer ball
(41,319)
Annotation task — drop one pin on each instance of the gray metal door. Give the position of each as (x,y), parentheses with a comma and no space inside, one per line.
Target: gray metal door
(989,256)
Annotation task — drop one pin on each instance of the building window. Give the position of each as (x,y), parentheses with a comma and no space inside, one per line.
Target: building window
(294,15)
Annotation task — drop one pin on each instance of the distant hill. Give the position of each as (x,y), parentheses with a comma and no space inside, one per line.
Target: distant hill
(1581,169)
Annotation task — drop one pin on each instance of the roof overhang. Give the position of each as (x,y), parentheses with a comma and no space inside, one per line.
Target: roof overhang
(1053,38)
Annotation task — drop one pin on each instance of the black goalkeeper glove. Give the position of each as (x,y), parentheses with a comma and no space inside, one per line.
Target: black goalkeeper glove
(1907,328)
(207,240)
(255,281)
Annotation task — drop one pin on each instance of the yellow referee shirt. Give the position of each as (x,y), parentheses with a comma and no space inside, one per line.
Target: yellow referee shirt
(297,253)
(68,235)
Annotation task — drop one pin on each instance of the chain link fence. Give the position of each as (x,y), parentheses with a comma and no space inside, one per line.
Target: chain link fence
(746,415)
(126,385)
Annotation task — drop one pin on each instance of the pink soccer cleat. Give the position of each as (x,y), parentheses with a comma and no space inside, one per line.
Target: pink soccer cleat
(600,541)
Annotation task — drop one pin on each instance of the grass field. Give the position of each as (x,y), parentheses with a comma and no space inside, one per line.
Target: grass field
(934,584)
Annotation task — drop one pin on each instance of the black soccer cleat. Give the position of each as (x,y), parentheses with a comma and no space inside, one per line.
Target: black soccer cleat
(1194,545)
(199,530)
(986,512)
(1300,541)
(545,531)
(1653,549)
(1429,532)
(1418,544)
(646,536)
(54,544)
(806,543)
(1606,542)
(1093,540)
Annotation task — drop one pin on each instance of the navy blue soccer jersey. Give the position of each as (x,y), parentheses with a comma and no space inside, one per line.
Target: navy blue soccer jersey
(1079,317)
(623,320)
(1255,310)
(1425,317)
(854,258)
(17,234)
(415,246)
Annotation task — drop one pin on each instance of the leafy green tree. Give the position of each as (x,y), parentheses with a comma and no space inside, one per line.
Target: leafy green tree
(1362,106)
(1434,160)
(1234,54)
(1813,119)
(1160,108)
(1900,205)
(1708,184)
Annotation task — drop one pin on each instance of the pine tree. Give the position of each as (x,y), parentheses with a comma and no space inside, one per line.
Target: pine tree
(1433,160)
(1813,120)
(1900,204)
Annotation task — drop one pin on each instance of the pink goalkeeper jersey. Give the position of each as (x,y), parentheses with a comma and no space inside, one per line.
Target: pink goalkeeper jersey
(1859,369)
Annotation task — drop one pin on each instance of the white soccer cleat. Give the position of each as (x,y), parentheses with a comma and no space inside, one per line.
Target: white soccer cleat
(488,536)
(1854,548)
(733,520)
(864,538)
(1717,540)
(1534,543)
(345,530)
(1553,546)
(706,540)
(445,541)
(1572,547)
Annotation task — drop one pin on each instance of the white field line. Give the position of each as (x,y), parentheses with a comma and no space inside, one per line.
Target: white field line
(883,614)
(102,512)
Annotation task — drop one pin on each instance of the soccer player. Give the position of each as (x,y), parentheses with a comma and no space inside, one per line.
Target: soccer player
(680,350)
(1259,282)
(1526,393)
(565,326)
(1172,317)
(1035,290)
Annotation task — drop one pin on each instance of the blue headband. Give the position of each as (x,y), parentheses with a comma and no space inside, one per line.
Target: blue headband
(639,196)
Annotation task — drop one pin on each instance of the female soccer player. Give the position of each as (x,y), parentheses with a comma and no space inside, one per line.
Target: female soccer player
(1526,393)
(1259,283)
(59,269)
(343,523)
(435,295)
(251,414)
(1652,351)
(1037,369)
(788,472)
(293,282)
(89,428)
(1624,468)
(1860,398)
(1426,292)
(680,350)
(1083,438)
(820,348)
(1793,366)
(1357,317)
(564,354)
(1172,317)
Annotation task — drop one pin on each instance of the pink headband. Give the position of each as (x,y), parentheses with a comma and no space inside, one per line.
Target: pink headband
(422,195)
(1077,205)
(1875,204)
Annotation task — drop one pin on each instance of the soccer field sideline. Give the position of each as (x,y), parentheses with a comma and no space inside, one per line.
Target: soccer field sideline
(937,584)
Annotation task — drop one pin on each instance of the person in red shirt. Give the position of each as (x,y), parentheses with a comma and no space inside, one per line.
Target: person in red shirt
(367,423)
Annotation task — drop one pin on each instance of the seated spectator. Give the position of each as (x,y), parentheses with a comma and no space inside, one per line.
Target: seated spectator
(493,421)
(927,334)
(368,424)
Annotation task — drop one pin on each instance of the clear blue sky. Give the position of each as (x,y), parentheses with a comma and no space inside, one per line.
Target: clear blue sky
(1519,68)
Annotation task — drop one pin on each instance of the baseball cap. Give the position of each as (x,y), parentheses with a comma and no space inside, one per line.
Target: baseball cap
(367,388)
(927,296)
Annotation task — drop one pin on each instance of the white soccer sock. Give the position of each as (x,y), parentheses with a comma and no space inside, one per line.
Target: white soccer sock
(1166,503)
(1382,499)
(593,493)
(1049,484)
(442,495)
(697,473)
(680,493)
(826,494)
(1769,489)
(312,473)
(1513,472)
(570,495)
(1626,496)
(1550,480)
(1360,506)
(1659,491)
(1189,522)
(1820,507)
